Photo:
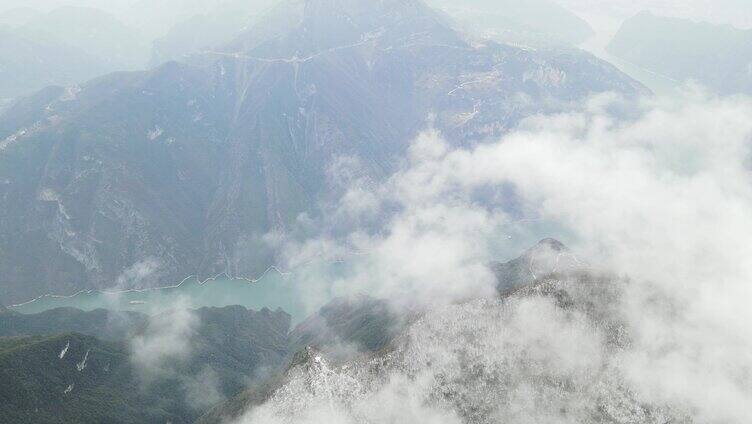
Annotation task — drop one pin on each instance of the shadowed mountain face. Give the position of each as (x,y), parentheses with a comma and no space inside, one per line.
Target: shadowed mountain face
(138,179)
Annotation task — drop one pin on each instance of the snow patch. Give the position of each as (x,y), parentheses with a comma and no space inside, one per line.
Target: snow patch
(12,138)
(546,76)
(65,350)
(465,117)
(71,93)
(477,81)
(82,365)
(155,133)
(48,195)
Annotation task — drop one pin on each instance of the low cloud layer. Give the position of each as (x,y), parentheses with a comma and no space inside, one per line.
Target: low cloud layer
(139,274)
(661,199)
(164,343)
(162,351)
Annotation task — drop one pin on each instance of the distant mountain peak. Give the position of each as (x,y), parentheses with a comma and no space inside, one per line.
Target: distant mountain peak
(551,244)
(304,27)
(549,256)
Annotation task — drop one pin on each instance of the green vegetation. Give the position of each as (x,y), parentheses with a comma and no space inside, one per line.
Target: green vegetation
(41,387)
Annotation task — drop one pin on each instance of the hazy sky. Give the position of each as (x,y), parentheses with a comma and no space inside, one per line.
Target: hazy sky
(737,12)
(109,5)
(611,12)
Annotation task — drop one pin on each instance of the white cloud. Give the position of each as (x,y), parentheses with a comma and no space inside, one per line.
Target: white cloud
(202,390)
(164,351)
(663,197)
(139,274)
(165,342)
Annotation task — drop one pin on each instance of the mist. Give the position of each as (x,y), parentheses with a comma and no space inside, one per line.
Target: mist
(605,13)
(654,204)
(106,36)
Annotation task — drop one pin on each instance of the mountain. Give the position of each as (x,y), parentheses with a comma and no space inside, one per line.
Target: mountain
(344,329)
(240,353)
(420,353)
(548,257)
(533,22)
(158,17)
(717,56)
(229,347)
(100,323)
(238,345)
(201,26)
(190,166)
(220,339)
(362,322)
(92,31)
(27,65)
(199,33)
(358,331)
(64,46)
(472,361)
(75,378)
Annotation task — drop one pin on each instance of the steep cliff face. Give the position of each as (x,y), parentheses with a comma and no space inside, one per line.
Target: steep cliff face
(137,179)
